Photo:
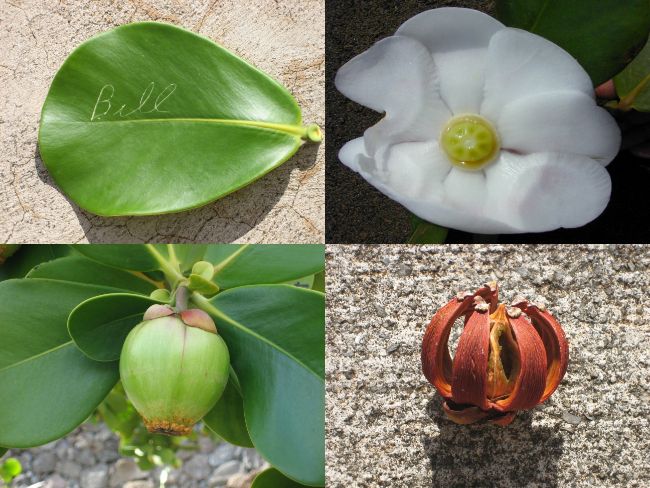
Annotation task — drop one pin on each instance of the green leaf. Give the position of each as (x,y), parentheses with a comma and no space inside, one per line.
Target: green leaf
(226,419)
(276,338)
(319,282)
(272,478)
(237,265)
(633,83)
(200,284)
(48,386)
(149,118)
(118,413)
(136,257)
(10,469)
(100,324)
(29,256)
(186,254)
(603,37)
(426,233)
(82,270)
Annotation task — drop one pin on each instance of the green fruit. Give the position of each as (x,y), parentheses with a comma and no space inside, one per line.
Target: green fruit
(174,368)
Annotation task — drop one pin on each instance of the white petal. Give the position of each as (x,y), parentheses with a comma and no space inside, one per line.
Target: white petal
(414,177)
(544,191)
(351,152)
(458,39)
(416,168)
(521,64)
(466,190)
(396,76)
(568,122)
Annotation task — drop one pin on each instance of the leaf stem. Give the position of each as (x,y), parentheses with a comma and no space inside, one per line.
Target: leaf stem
(627,101)
(173,274)
(182,298)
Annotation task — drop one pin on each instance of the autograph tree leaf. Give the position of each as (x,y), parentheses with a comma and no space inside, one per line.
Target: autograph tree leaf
(100,324)
(237,265)
(276,338)
(48,385)
(25,258)
(227,417)
(603,36)
(272,478)
(633,83)
(149,118)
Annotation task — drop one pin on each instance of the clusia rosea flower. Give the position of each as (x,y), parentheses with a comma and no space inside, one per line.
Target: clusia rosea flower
(508,358)
(488,129)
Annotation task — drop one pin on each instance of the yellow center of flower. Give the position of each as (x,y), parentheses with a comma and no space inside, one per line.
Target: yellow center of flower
(469,141)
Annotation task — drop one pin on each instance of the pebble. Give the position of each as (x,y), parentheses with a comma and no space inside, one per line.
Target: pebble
(403,270)
(89,458)
(380,311)
(198,467)
(44,463)
(224,472)
(96,477)
(125,470)
(570,418)
(393,347)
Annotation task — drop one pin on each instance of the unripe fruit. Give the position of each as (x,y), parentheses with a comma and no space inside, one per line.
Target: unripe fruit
(174,368)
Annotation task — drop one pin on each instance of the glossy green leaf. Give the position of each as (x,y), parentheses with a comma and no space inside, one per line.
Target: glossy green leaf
(633,83)
(426,233)
(276,338)
(136,257)
(149,118)
(28,256)
(100,324)
(319,282)
(603,36)
(226,419)
(237,265)
(272,478)
(185,254)
(48,387)
(82,270)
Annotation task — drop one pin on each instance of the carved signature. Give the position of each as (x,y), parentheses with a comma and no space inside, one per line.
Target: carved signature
(108,91)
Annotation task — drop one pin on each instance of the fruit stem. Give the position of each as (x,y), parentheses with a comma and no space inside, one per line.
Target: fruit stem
(182,298)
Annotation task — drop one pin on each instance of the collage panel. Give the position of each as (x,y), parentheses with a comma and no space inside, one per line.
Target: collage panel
(470,121)
(264,244)
(401,319)
(162,366)
(175,121)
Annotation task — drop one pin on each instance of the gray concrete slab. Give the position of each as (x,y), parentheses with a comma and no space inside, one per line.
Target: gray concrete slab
(385,426)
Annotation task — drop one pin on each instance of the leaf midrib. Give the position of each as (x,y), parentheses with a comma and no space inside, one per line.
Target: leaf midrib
(294,130)
(33,358)
(539,15)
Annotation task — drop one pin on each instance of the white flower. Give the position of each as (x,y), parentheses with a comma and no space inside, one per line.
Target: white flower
(488,129)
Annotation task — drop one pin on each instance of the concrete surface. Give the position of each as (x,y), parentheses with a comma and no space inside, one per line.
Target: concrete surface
(358,213)
(385,426)
(285,39)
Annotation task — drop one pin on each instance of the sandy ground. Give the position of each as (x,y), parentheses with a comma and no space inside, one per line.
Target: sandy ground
(285,39)
(385,426)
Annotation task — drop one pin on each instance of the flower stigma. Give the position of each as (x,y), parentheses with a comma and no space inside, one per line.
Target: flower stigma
(469,141)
